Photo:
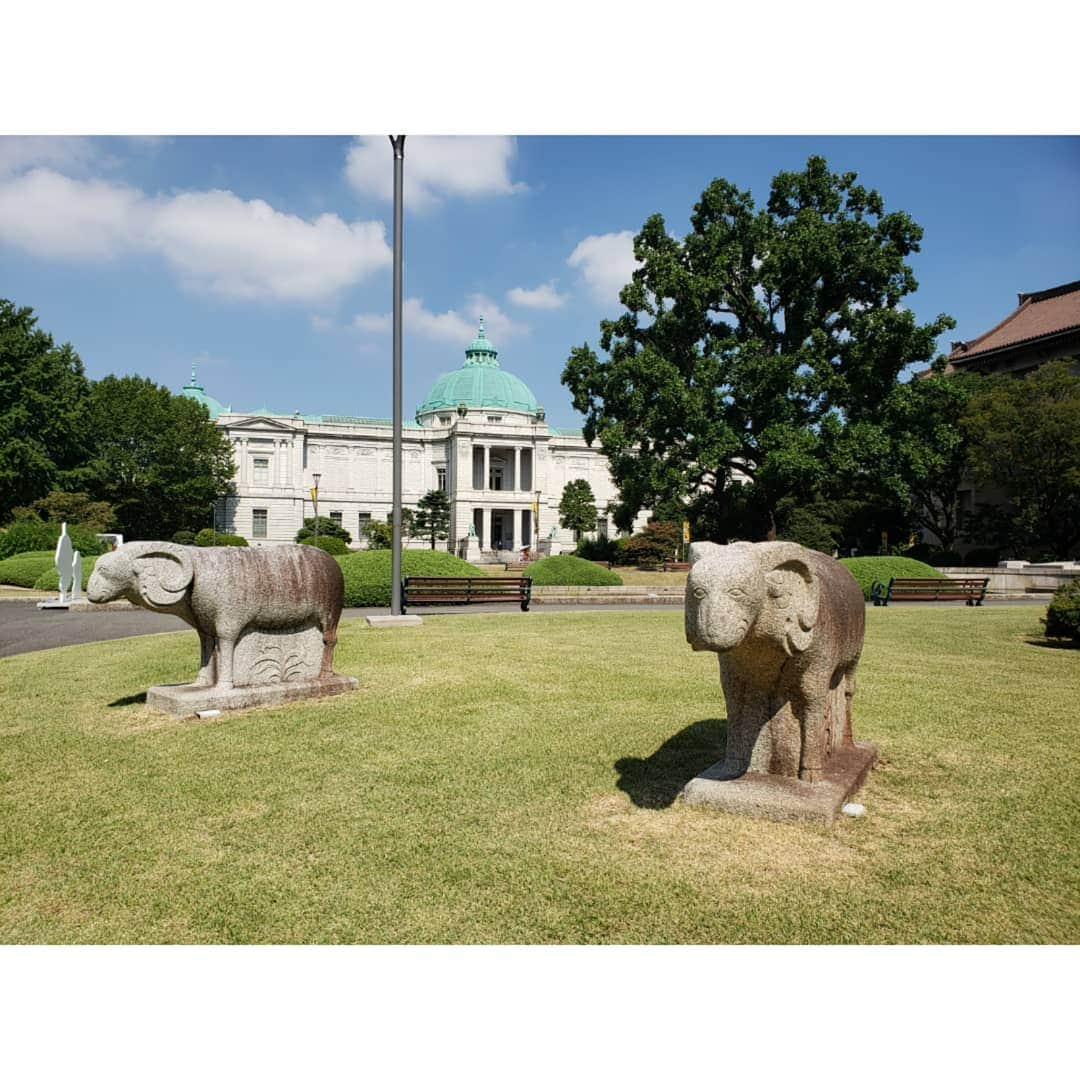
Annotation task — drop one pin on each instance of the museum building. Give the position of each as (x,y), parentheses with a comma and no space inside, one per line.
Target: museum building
(479,435)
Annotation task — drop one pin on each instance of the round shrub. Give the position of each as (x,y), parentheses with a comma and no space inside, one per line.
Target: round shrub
(944,557)
(209,538)
(49,580)
(367,573)
(27,534)
(870,568)
(570,570)
(332,545)
(184,536)
(1062,619)
(25,568)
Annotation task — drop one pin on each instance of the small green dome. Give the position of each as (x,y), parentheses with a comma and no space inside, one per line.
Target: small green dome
(479,383)
(194,391)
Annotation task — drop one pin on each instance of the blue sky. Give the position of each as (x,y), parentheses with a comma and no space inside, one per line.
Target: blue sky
(266,260)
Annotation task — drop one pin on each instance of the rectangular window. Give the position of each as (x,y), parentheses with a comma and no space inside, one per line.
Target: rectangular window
(440,479)
(261,470)
(335,516)
(258,523)
(362,519)
(495,478)
(494,419)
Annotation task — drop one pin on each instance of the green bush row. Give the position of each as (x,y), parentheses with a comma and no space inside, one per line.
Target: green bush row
(49,579)
(27,534)
(1062,619)
(25,568)
(367,573)
(332,545)
(870,568)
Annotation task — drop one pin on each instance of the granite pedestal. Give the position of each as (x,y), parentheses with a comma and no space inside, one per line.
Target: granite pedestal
(186,699)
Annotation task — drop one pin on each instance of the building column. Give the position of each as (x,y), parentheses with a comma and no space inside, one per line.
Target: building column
(516,485)
(485,479)
(519,528)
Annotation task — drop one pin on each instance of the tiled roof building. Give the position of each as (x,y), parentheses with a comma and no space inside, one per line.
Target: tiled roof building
(1045,326)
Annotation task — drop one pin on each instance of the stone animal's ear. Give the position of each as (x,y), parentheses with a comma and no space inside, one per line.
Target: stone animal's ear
(703,549)
(164,574)
(794,589)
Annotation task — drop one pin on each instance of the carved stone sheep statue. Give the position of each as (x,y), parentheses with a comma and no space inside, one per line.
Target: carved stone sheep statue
(276,597)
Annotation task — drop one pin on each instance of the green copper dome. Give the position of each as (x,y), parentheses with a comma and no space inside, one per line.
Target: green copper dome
(194,391)
(479,384)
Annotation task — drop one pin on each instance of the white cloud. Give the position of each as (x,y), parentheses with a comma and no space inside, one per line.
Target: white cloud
(71,152)
(375,324)
(453,326)
(467,166)
(606,263)
(543,297)
(321,324)
(214,240)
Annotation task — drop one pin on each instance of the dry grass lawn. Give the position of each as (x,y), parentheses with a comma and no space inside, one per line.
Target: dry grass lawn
(510,778)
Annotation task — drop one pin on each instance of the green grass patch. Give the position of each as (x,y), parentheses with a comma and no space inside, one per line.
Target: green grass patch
(570,570)
(870,568)
(367,573)
(510,778)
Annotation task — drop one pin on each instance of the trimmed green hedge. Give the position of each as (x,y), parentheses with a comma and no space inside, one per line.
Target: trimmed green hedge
(210,538)
(50,579)
(570,570)
(870,568)
(25,568)
(27,535)
(367,573)
(332,545)
(1062,619)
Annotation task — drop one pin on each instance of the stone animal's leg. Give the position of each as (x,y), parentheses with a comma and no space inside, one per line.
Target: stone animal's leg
(225,647)
(814,751)
(747,717)
(849,693)
(329,641)
(206,660)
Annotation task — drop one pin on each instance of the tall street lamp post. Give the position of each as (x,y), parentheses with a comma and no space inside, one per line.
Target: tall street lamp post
(536,524)
(398,143)
(315,477)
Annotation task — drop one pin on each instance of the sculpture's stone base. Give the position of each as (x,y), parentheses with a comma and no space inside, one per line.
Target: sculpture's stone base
(188,699)
(783,798)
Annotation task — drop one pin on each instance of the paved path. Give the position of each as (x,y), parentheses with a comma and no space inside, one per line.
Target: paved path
(23,628)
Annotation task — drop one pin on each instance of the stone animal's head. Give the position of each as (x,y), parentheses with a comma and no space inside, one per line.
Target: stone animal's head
(739,590)
(151,574)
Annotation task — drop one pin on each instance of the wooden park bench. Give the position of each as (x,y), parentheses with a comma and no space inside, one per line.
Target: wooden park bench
(516,565)
(465,590)
(971,590)
(670,565)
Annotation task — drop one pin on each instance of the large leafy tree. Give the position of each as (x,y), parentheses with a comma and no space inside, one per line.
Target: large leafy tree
(43,398)
(761,346)
(432,520)
(156,457)
(1025,440)
(929,449)
(577,507)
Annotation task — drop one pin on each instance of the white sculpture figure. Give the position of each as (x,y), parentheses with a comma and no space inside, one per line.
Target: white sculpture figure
(76,576)
(63,562)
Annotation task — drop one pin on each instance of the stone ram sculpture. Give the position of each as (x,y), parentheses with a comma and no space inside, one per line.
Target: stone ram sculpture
(788,625)
(266,617)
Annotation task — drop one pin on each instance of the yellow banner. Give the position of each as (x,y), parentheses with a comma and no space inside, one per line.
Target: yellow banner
(686,532)
(314,493)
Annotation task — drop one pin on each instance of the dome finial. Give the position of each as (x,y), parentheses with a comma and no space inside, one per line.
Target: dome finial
(481,333)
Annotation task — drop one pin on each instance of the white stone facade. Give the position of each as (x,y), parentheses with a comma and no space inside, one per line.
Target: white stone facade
(490,464)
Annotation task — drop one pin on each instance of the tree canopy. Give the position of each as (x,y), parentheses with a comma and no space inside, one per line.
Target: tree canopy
(432,520)
(155,457)
(327,527)
(43,399)
(577,507)
(760,347)
(1025,440)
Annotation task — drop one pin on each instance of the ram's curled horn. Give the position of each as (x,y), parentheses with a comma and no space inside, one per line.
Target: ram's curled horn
(164,574)
(793,586)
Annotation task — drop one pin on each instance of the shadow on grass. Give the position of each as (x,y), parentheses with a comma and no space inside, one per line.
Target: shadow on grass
(133,699)
(1050,643)
(655,781)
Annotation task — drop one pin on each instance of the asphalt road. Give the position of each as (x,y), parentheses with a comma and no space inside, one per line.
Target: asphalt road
(24,628)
